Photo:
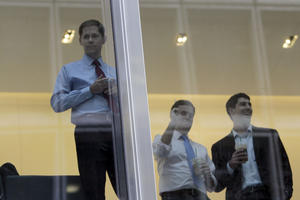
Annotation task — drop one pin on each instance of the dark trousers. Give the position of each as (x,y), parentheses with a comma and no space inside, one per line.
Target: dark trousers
(95,157)
(254,193)
(184,194)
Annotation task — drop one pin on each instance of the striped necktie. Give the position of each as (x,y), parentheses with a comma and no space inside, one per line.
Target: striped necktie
(99,73)
(98,69)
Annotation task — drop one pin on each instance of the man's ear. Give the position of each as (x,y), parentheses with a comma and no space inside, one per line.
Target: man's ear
(171,111)
(104,39)
(231,111)
(174,110)
(80,41)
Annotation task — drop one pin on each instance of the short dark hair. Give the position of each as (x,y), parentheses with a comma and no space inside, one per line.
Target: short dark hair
(181,103)
(232,101)
(92,22)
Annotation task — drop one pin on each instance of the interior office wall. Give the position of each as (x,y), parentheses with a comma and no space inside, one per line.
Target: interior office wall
(25,54)
(37,140)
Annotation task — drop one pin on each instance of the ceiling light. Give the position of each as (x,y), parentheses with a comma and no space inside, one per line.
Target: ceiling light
(68,36)
(290,41)
(181,38)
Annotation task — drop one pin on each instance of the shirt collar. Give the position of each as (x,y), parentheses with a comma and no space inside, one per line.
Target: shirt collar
(177,134)
(249,130)
(89,61)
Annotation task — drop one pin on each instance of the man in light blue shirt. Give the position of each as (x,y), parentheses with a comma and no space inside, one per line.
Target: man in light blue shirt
(83,86)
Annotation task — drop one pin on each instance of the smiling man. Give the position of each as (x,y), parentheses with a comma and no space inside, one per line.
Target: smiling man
(185,170)
(83,86)
(251,162)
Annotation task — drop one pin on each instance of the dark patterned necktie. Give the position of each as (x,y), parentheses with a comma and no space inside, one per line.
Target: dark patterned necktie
(101,74)
(109,98)
(98,70)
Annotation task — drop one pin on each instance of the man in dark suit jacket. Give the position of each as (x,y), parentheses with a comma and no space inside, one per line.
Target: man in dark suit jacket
(251,162)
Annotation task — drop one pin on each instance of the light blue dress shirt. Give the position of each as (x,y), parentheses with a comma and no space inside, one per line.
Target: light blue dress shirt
(249,168)
(174,171)
(72,90)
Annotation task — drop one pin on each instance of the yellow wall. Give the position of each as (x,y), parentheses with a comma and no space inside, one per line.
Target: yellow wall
(35,139)
(41,142)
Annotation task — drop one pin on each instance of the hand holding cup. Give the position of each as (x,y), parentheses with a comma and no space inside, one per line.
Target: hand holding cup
(239,157)
(242,148)
(201,167)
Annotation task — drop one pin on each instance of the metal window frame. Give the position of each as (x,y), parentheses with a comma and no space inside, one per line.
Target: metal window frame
(130,64)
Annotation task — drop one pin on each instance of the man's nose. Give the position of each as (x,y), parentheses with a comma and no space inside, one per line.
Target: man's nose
(248,105)
(90,39)
(189,116)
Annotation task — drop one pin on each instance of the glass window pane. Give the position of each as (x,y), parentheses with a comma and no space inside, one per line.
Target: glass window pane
(40,155)
(230,48)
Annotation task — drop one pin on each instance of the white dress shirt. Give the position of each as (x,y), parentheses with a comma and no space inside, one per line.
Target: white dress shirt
(173,168)
(249,168)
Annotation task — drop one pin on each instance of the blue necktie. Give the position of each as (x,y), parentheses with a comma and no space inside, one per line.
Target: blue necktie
(190,157)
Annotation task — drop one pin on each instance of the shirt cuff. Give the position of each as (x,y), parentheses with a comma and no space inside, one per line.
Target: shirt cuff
(213,187)
(87,92)
(161,149)
(164,146)
(229,169)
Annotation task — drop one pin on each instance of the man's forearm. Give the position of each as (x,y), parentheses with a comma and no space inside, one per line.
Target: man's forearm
(168,134)
(63,101)
(209,181)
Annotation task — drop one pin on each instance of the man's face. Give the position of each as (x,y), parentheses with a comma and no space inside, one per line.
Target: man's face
(92,41)
(243,107)
(184,116)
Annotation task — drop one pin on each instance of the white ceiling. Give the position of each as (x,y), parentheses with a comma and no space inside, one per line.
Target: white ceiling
(230,48)
(283,64)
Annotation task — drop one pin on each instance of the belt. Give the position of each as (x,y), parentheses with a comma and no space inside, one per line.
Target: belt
(254,188)
(192,192)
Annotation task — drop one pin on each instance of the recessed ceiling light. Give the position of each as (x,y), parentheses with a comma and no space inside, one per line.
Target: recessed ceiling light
(68,36)
(290,41)
(181,38)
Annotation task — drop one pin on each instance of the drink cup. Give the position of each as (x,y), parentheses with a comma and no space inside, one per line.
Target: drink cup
(198,162)
(242,148)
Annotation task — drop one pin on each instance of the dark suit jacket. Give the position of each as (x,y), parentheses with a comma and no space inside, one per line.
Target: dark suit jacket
(271,158)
